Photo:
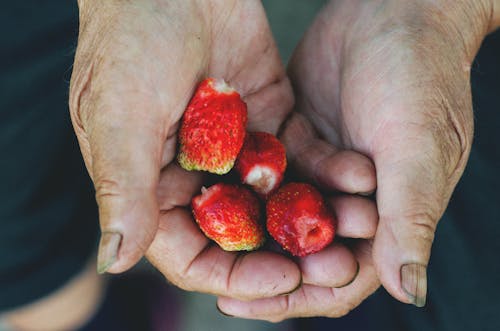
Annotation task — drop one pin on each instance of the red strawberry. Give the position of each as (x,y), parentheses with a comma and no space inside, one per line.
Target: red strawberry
(299,220)
(262,162)
(229,215)
(212,131)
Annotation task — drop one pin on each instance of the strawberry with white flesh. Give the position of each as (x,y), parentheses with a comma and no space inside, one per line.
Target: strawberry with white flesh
(299,220)
(262,162)
(230,216)
(213,128)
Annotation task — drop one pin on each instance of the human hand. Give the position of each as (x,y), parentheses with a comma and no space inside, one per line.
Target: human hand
(340,276)
(136,67)
(390,80)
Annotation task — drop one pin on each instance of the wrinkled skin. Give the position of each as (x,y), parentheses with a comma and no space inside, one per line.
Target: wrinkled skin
(381,80)
(390,80)
(136,66)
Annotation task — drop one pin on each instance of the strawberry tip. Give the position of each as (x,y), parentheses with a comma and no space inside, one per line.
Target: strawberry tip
(221,86)
(262,178)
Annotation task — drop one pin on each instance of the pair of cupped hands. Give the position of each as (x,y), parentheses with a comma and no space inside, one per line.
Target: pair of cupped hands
(376,98)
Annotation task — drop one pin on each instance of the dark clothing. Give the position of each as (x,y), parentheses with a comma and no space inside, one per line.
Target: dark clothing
(48,222)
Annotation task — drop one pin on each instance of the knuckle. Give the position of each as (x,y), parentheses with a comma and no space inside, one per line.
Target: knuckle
(144,239)
(213,279)
(423,225)
(290,306)
(341,306)
(186,279)
(79,92)
(106,189)
(453,133)
(286,306)
(78,101)
(177,276)
(445,130)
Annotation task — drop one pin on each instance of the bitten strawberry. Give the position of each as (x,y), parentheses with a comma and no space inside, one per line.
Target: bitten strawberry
(299,220)
(229,215)
(213,127)
(262,162)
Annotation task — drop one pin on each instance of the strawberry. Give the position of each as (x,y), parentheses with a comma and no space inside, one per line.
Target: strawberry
(212,131)
(299,220)
(229,215)
(262,162)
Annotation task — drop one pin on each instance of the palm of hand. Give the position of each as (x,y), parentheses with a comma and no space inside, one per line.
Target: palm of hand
(126,105)
(398,92)
(381,79)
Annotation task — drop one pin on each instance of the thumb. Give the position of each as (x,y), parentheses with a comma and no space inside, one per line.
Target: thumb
(416,175)
(121,141)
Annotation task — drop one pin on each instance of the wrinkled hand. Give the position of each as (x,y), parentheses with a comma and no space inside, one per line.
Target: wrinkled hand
(390,80)
(136,67)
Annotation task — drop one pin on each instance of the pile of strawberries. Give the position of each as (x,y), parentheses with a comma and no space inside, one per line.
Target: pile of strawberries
(213,138)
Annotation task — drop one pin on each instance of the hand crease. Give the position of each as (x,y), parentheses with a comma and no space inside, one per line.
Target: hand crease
(237,260)
(185,273)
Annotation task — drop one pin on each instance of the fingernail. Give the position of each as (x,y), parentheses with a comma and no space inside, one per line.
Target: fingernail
(108,250)
(414,283)
(353,279)
(220,311)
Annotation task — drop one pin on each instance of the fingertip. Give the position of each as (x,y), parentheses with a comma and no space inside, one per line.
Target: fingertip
(128,227)
(398,270)
(130,212)
(334,266)
(123,251)
(268,309)
(357,217)
(356,273)
(108,251)
(347,171)
(328,166)
(129,254)
(263,274)
(220,310)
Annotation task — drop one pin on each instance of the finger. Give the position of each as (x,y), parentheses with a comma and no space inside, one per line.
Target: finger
(177,186)
(125,149)
(335,169)
(357,217)
(268,107)
(189,260)
(311,300)
(416,176)
(334,266)
(170,145)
